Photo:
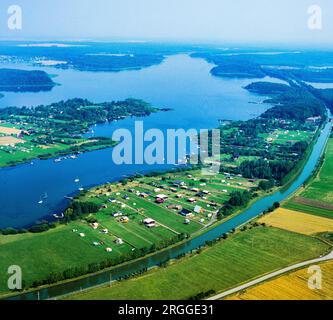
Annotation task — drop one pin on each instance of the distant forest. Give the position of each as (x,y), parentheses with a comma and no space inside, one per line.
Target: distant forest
(14,80)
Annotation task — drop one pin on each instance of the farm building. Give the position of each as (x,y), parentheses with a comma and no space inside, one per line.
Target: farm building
(94,225)
(149,223)
(119,241)
(161,196)
(198,209)
(179,183)
(117,214)
(185,212)
(124,219)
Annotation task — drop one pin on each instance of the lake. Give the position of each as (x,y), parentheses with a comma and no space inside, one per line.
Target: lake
(182,83)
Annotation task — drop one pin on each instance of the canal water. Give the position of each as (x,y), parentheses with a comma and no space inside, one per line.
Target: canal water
(160,257)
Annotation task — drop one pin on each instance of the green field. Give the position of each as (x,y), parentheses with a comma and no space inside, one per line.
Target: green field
(308,209)
(317,197)
(57,250)
(62,248)
(322,187)
(288,136)
(242,257)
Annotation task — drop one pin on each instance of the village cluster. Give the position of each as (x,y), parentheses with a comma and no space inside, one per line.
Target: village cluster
(151,210)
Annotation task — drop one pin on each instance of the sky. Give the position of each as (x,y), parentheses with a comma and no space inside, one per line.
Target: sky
(255,21)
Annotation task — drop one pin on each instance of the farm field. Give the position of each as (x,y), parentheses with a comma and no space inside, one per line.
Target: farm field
(139,199)
(317,198)
(298,222)
(242,257)
(55,251)
(291,205)
(9,130)
(9,140)
(321,188)
(119,223)
(293,286)
(288,136)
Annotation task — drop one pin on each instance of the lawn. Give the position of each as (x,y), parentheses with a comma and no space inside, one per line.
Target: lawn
(57,250)
(242,257)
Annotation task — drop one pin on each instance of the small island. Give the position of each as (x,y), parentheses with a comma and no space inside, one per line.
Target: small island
(56,130)
(14,80)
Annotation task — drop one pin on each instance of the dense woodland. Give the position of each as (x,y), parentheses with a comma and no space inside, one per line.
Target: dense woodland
(293,102)
(13,80)
(75,116)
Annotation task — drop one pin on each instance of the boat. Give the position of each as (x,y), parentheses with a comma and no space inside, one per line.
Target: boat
(81,189)
(59,216)
(77,180)
(40,202)
(57,160)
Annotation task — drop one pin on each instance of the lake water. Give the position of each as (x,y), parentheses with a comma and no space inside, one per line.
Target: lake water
(182,83)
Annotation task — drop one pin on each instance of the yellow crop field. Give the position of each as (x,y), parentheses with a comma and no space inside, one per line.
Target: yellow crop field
(9,140)
(9,131)
(297,221)
(293,286)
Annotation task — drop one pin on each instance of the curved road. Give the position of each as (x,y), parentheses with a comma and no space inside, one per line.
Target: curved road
(272,275)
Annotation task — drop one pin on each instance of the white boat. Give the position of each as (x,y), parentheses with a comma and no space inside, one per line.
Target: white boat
(81,189)
(77,180)
(40,202)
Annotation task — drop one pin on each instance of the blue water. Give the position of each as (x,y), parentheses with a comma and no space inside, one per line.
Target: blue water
(182,83)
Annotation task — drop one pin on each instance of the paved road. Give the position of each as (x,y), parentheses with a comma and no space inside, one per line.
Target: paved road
(272,275)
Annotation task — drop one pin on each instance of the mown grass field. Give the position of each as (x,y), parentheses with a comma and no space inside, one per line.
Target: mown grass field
(297,221)
(243,256)
(308,209)
(288,136)
(56,250)
(321,188)
(317,198)
(292,286)
(137,200)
